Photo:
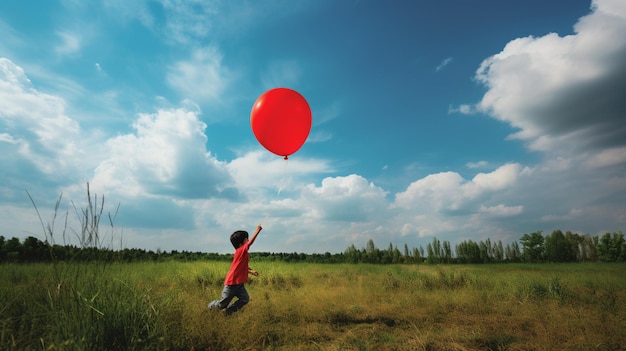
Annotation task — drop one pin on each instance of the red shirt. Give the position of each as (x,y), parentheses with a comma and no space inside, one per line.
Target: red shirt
(238,272)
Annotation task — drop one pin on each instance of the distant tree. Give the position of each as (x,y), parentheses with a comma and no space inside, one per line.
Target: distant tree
(557,248)
(468,252)
(459,252)
(588,249)
(610,247)
(516,253)
(485,251)
(2,250)
(488,251)
(371,252)
(387,255)
(13,249)
(430,254)
(533,246)
(575,243)
(407,255)
(352,254)
(498,252)
(446,252)
(34,250)
(438,251)
(417,256)
(397,255)
(512,252)
(508,252)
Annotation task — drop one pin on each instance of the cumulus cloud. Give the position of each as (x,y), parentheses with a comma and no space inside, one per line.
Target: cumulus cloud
(565,94)
(333,214)
(442,203)
(448,191)
(37,132)
(349,199)
(165,156)
(436,191)
(261,170)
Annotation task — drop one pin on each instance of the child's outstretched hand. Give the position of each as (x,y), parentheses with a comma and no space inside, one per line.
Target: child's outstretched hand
(253,272)
(253,238)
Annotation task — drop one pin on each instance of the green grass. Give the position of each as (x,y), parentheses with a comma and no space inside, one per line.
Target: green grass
(162,306)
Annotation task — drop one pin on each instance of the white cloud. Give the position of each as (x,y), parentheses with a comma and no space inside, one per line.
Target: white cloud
(501,210)
(465,109)
(479,164)
(262,175)
(436,191)
(446,204)
(7,138)
(350,199)
(563,94)
(499,179)
(166,155)
(448,191)
(443,64)
(40,132)
(202,77)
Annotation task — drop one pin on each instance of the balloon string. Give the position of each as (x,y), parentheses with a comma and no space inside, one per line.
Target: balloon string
(281,185)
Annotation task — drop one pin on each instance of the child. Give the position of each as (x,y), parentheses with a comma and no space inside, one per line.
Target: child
(237,274)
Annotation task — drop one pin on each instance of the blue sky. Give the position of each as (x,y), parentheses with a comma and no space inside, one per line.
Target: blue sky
(430,119)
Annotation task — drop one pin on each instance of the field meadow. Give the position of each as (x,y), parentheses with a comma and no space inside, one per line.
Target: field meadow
(163,306)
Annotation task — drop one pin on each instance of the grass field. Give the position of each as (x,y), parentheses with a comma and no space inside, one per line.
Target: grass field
(162,306)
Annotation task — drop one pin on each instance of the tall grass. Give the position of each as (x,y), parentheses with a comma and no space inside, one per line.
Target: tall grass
(161,306)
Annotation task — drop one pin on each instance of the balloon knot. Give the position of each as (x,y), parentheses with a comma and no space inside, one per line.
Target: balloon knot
(286,158)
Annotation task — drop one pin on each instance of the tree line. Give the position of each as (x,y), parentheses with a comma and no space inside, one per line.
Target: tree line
(532,248)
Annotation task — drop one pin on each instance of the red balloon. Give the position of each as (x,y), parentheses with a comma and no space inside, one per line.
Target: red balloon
(281,120)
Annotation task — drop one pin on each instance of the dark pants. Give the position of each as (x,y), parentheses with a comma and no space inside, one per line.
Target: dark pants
(228,293)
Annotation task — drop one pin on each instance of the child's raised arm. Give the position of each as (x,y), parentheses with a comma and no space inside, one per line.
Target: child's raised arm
(256,233)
